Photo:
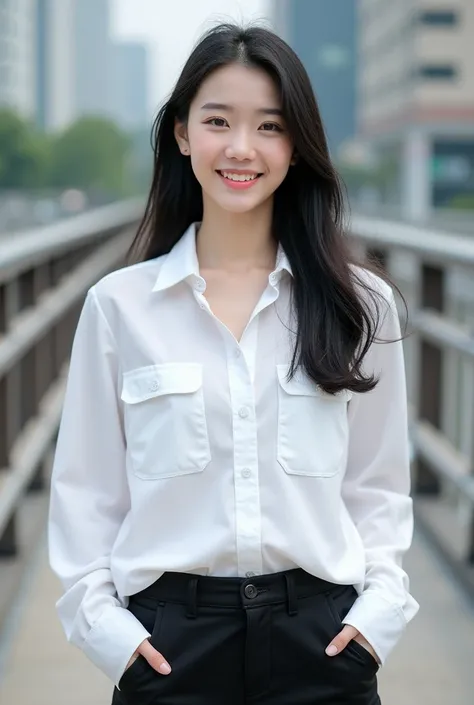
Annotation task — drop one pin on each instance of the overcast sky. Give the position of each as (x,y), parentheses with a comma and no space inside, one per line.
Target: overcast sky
(171,27)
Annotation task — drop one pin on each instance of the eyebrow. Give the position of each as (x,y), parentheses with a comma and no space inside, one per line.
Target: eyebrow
(229,108)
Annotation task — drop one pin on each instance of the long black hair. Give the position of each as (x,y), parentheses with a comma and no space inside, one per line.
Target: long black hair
(336,323)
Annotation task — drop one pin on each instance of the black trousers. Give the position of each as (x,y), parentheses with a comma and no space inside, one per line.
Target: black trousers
(257,641)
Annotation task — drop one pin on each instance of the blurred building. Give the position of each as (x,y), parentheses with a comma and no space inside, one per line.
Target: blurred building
(130,79)
(55,62)
(94,55)
(17,56)
(416,96)
(323,34)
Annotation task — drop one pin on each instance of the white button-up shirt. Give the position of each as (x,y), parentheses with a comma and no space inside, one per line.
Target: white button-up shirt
(182,449)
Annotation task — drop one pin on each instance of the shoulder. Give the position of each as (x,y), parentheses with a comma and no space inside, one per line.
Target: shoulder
(129,281)
(125,290)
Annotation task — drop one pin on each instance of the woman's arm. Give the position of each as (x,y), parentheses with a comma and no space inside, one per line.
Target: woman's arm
(90,498)
(376,491)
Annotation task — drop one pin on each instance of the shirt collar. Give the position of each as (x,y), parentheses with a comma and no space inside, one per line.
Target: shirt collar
(181,262)
(282,262)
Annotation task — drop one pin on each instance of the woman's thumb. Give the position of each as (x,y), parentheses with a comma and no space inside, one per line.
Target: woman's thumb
(154,658)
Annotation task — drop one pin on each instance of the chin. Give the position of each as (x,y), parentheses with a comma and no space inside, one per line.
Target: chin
(239,208)
(239,204)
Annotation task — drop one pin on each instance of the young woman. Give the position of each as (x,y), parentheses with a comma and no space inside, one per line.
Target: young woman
(230,497)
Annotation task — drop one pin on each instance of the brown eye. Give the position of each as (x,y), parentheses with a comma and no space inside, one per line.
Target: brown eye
(271,127)
(217,122)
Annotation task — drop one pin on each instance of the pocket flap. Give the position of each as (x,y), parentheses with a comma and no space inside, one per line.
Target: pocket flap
(302,385)
(157,380)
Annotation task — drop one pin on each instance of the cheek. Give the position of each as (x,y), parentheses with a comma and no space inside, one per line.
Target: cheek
(204,149)
(278,154)
(279,160)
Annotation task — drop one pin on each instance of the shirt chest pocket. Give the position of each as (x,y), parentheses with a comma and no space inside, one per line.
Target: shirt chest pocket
(312,426)
(165,420)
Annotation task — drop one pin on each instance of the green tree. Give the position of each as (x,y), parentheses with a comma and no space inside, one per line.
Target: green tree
(24,154)
(91,154)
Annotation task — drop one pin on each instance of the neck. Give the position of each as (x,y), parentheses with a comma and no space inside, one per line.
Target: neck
(236,241)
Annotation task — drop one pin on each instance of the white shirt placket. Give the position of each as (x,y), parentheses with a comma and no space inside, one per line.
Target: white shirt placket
(241,363)
(244,424)
(241,371)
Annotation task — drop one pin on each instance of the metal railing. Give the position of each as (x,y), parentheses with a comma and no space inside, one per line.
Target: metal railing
(45,274)
(435,272)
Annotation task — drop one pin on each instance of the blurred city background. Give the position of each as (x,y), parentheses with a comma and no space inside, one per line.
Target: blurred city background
(80,83)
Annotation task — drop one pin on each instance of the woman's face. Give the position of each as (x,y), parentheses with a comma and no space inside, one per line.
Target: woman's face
(236,138)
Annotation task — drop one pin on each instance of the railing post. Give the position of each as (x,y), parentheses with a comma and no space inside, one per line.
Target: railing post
(3,309)
(3,424)
(44,363)
(470,536)
(28,363)
(470,541)
(41,478)
(10,414)
(38,480)
(13,420)
(3,387)
(430,373)
(8,540)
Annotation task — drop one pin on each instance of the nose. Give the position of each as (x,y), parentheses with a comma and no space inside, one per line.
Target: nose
(240,147)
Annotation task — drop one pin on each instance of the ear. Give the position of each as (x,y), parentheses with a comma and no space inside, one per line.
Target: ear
(181,136)
(294,158)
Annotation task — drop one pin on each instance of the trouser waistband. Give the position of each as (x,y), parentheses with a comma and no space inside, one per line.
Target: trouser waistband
(194,591)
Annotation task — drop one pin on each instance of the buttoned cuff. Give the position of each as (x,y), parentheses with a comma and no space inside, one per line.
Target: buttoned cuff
(379,621)
(112,640)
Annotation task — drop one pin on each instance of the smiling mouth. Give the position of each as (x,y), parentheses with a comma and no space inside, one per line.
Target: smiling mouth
(239,177)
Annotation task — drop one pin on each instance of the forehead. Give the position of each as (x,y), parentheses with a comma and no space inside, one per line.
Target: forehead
(239,86)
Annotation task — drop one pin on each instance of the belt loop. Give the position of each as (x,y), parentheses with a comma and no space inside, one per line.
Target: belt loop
(291,595)
(191,609)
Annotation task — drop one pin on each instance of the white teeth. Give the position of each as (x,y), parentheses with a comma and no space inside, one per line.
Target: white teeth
(238,177)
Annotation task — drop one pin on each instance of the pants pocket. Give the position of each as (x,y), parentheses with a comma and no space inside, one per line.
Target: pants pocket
(339,605)
(138,678)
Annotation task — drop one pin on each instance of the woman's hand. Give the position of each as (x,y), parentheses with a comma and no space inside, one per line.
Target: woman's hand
(347,634)
(154,658)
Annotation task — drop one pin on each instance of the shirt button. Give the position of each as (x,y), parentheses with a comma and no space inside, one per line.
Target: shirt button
(154,385)
(243,412)
(237,352)
(272,278)
(246,472)
(200,286)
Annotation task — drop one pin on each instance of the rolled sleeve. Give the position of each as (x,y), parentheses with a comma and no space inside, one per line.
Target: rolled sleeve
(382,623)
(89,500)
(112,640)
(376,491)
